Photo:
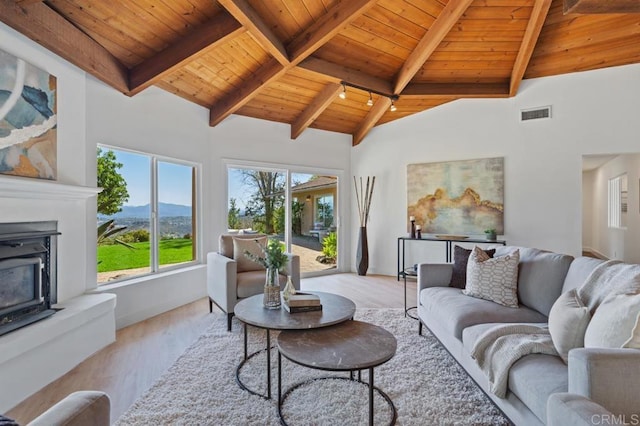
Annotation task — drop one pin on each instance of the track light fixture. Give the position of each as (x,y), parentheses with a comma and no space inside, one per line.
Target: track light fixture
(343,94)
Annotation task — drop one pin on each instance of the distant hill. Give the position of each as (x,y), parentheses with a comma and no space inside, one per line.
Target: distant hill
(165,210)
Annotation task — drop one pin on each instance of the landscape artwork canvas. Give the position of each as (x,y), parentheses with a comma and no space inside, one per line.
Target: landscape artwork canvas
(28,140)
(457,197)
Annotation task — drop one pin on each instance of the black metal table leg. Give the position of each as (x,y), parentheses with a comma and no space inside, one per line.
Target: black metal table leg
(370,396)
(279,378)
(268,364)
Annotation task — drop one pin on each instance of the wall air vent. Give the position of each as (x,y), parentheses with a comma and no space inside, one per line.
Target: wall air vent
(535,113)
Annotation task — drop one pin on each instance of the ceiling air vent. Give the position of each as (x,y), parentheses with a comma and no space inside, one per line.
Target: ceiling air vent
(535,113)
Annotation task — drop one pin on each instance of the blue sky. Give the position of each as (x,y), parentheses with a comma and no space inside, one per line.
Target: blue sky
(174,180)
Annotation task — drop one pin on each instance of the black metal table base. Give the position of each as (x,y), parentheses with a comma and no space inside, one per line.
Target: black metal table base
(247,357)
(411,312)
(351,378)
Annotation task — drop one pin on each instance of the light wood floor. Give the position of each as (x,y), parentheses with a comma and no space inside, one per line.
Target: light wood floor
(143,351)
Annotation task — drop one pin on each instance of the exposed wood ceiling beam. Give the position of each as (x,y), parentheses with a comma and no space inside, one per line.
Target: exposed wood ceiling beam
(326,27)
(314,109)
(375,113)
(46,27)
(466,90)
(207,36)
(249,18)
(436,33)
(451,13)
(27,2)
(531,34)
(299,49)
(238,97)
(601,6)
(349,75)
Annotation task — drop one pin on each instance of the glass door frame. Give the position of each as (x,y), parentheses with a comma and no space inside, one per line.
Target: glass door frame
(288,170)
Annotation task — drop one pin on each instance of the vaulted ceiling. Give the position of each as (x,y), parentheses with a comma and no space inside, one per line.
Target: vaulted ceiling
(287,60)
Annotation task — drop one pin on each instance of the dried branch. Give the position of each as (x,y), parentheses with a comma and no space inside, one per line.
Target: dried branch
(363,198)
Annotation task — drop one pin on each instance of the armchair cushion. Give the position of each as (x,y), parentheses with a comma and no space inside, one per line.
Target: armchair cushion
(252,282)
(253,246)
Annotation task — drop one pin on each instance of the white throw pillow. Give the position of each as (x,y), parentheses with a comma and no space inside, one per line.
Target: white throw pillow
(240,245)
(568,321)
(615,323)
(494,279)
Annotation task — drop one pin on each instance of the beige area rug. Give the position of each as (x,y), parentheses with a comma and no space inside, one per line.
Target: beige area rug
(424,381)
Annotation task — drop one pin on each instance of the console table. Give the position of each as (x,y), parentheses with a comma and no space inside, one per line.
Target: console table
(403,271)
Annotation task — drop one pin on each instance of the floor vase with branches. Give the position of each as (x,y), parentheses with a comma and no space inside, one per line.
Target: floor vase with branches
(363,198)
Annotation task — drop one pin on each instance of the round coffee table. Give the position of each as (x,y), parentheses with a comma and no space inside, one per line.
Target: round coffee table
(349,346)
(335,309)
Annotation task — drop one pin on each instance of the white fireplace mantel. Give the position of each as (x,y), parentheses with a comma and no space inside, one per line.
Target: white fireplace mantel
(13,187)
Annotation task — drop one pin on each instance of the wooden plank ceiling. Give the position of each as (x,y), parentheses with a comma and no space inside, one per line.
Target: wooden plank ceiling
(287,60)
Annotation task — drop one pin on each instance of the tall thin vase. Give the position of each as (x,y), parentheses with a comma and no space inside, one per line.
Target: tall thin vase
(362,256)
(272,289)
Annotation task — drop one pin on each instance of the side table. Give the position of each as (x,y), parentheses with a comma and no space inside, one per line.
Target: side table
(349,346)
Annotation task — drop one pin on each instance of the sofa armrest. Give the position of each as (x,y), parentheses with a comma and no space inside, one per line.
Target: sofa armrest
(222,276)
(434,275)
(568,409)
(608,377)
(78,409)
(293,269)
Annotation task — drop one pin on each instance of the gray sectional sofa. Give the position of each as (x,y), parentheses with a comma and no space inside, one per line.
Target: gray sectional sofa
(595,381)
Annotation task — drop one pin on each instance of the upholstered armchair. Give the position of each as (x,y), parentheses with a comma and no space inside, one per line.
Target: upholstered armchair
(231,276)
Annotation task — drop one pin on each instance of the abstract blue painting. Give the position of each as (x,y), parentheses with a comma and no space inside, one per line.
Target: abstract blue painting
(28,119)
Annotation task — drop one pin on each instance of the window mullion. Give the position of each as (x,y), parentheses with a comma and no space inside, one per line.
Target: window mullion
(155,238)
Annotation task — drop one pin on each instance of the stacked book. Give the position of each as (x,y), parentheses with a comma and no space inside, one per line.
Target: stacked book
(302,302)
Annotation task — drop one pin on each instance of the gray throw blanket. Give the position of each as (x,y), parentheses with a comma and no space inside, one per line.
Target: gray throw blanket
(498,348)
(608,279)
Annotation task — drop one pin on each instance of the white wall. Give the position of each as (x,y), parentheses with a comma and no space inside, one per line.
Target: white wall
(593,113)
(587,210)
(622,244)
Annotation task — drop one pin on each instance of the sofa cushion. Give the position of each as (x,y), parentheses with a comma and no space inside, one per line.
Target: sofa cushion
(253,246)
(568,321)
(541,275)
(493,279)
(252,282)
(454,311)
(580,269)
(460,259)
(533,378)
(615,323)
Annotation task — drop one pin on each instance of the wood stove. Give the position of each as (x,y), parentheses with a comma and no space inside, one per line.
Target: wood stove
(28,273)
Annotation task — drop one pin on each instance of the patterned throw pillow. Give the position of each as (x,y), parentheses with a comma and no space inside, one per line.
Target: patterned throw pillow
(460,260)
(494,279)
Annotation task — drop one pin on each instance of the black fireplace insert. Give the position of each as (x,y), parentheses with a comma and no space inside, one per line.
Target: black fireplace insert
(28,273)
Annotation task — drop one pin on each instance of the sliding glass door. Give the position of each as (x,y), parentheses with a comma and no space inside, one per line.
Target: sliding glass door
(299,208)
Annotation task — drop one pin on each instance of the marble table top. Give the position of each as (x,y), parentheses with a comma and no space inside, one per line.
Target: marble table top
(351,345)
(335,309)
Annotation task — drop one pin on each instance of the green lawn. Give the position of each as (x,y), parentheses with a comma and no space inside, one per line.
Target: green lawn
(117,257)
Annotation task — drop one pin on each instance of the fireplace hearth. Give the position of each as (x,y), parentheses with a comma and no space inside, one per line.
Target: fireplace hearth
(28,273)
